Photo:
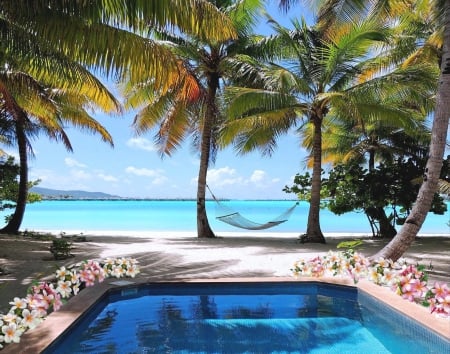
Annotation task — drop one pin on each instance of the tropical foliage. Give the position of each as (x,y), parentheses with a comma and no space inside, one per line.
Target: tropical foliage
(193,106)
(9,186)
(330,72)
(48,48)
(386,193)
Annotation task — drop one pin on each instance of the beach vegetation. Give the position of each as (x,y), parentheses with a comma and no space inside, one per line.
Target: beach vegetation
(61,248)
(331,71)
(193,106)
(9,186)
(436,45)
(386,194)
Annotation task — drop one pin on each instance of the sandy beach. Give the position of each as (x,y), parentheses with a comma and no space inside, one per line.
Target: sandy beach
(177,257)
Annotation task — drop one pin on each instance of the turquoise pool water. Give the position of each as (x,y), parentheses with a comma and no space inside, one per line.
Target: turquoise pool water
(245,318)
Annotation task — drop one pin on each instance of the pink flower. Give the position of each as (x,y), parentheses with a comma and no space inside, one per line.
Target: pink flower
(440,289)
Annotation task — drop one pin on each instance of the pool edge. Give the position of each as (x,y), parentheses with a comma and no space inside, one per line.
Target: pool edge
(36,340)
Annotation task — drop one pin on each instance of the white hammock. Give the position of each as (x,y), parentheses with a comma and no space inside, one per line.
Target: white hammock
(234,218)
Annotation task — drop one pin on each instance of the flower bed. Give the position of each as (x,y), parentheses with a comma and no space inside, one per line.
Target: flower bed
(406,280)
(45,297)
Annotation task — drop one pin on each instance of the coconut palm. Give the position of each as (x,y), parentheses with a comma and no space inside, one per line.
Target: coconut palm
(438,13)
(326,73)
(104,36)
(28,108)
(439,131)
(110,37)
(192,107)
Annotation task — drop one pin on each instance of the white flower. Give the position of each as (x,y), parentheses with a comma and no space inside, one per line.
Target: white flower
(373,275)
(30,318)
(76,288)
(132,271)
(117,272)
(64,288)
(18,303)
(10,317)
(389,277)
(11,333)
(61,273)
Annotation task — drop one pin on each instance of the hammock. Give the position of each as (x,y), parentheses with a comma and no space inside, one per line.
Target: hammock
(234,218)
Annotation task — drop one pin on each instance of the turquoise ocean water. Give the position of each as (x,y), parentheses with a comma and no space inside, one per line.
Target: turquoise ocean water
(127,216)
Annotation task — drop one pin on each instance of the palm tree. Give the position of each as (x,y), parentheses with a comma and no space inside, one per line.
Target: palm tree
(439,16)
(193,106)
(326,74)
(29,108)
(100,36)
(107,35)
(407,234)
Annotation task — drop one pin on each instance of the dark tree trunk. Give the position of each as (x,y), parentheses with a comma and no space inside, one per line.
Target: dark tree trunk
(16,219)
(313,231)
(400,243)
(203,227)
(385,227)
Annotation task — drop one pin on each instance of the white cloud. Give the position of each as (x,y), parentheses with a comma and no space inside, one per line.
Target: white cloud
(142,171)
(142,144)
(107,178)
(157,176)
(80,174)
(258,176)
(73,163)
(224,176)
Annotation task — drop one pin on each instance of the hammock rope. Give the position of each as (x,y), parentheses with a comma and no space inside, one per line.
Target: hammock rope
(234,218)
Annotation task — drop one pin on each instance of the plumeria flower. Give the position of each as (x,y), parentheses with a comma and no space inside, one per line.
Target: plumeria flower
(132,271)
(76,289)
(18,303)
(87,277)
(389,277)
(11,333)
(57,303)
(10,317)
(61,273)
(31,319)
(118,272)
(64,288)
(444,303)
(440,289)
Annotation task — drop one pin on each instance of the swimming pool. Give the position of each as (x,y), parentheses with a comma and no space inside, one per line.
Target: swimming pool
(266,317)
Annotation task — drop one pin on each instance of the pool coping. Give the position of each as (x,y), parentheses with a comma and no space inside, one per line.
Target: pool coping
(36,340)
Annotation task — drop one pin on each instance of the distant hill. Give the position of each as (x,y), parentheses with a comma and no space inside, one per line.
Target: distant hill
(47,193)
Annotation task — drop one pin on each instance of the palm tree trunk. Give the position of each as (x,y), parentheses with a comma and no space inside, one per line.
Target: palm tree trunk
(400,243)
(16,219)
(313,231)
(203,227)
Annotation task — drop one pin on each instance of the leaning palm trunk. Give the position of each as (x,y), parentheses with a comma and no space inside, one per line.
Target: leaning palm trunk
(413,223)
(313,231)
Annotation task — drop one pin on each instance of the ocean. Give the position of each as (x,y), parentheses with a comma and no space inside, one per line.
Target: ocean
(141,217)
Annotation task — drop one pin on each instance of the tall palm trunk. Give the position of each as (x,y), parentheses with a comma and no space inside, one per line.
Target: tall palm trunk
(203,227)
(16,219)
(313,231)
(400,243)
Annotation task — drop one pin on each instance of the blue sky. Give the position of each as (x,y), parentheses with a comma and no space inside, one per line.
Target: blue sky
(134,169)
